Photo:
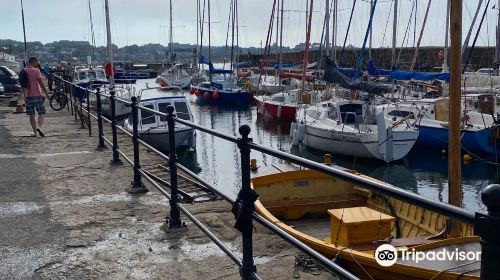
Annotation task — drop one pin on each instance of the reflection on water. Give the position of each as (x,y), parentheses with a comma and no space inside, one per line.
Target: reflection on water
(422,171)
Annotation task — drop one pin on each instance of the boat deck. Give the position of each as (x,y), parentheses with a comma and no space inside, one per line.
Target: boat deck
(318,227)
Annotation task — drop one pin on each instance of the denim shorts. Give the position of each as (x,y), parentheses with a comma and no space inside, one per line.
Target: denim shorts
(34,103)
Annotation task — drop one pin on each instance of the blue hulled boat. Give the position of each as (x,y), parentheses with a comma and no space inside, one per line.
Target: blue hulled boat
(480,132)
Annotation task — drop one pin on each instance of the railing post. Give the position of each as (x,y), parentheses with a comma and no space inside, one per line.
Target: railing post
(73,94)
(80,104)
(69,90)
(116,156)
(89,118)
(244,205)
(487,226)
(136,186)
(174,221)
(101,145)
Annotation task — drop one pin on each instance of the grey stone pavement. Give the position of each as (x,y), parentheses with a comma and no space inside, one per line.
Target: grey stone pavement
(64,214)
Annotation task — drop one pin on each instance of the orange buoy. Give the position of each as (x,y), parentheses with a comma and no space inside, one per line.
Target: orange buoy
(191,91)
(197,92)
(163,84)
(215,95)
(206,95)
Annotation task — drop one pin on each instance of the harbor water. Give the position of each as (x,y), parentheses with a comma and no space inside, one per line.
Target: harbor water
(422,171)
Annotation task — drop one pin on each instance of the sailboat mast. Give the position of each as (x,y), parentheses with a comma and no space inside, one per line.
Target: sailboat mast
(497,45)
(109,45)
(334,30)
(371,29)
(306,49)
(454,172)
(281,40)
(327,27)
(209,40)
(170,34)
(24,34)
(469,33)
(92,51)
(414,60)
(445,51)
(394,33)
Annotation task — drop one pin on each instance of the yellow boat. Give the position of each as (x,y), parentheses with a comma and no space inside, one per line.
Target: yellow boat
(347,223)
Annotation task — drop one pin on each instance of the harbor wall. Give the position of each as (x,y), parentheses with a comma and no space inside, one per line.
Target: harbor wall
(428,57)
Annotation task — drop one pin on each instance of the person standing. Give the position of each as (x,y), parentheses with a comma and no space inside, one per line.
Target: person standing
(34,101)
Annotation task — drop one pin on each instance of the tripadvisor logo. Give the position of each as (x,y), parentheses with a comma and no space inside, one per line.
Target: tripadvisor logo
(387,255)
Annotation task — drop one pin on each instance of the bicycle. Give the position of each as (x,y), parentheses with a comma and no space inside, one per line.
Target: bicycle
(58,100)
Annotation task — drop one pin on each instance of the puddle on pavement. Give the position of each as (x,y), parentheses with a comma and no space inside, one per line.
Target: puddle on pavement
(13,209)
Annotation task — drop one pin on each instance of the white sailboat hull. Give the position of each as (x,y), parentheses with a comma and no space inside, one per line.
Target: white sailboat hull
(364,145)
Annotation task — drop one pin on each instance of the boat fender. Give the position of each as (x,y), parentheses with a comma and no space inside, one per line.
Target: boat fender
(192,141)
(197,92)
(215,95)
(206,95)
(301,131)
(278,113)
(295,138)
(192,91)
(293,127)
(261,109)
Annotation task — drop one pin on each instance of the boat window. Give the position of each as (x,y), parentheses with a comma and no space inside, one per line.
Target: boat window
(146,116)
(333,114)
(278,98)
(350,112)
(402,114)
(82,76)
(162,107)
(92,75)
(313,114)
(182,110)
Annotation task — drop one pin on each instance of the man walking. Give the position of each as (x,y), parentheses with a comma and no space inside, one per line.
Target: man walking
(33,96)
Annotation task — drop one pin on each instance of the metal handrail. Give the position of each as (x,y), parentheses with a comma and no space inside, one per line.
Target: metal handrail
(485,225)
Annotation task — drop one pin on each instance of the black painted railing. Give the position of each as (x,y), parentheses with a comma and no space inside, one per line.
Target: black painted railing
(486,225)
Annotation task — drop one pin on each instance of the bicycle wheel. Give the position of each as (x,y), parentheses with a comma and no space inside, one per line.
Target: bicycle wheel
(58,101)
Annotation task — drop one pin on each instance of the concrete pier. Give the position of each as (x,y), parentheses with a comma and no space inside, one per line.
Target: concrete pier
(64,214)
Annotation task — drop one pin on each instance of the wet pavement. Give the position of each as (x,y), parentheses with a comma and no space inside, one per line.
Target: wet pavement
(64,214)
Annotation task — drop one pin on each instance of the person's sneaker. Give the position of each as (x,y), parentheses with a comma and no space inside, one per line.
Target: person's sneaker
(33,134)
(40,132)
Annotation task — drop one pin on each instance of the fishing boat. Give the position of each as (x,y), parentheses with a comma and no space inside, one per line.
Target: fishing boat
(221,92)
(480,132)
(347,223)
(279,106)
(88,78)
(153,129)
(353,128)
(176,76)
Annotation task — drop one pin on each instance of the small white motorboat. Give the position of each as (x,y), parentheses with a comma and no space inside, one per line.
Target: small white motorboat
(153,129)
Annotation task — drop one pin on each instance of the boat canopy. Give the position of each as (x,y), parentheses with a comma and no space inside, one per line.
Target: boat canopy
(284,65)
(211,67)
(333,75)
(406,75)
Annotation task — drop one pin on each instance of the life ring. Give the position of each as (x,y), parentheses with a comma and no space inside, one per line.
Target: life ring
(440,55)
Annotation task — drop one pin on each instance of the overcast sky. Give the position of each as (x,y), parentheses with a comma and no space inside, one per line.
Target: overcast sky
(146,21)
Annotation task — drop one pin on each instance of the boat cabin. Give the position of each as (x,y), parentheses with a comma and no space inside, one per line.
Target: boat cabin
(86,76)
(345,112)
(160,102)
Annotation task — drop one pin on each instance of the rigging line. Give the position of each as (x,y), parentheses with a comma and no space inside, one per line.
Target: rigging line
(232,37)
(363,49)
(262,54)
(414,59)
(306,51)
(475,38)
(406,33)
(386,24)
(347,33)
(227,32)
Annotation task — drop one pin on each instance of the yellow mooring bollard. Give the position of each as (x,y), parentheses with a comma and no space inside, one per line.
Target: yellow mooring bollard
(327,159)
